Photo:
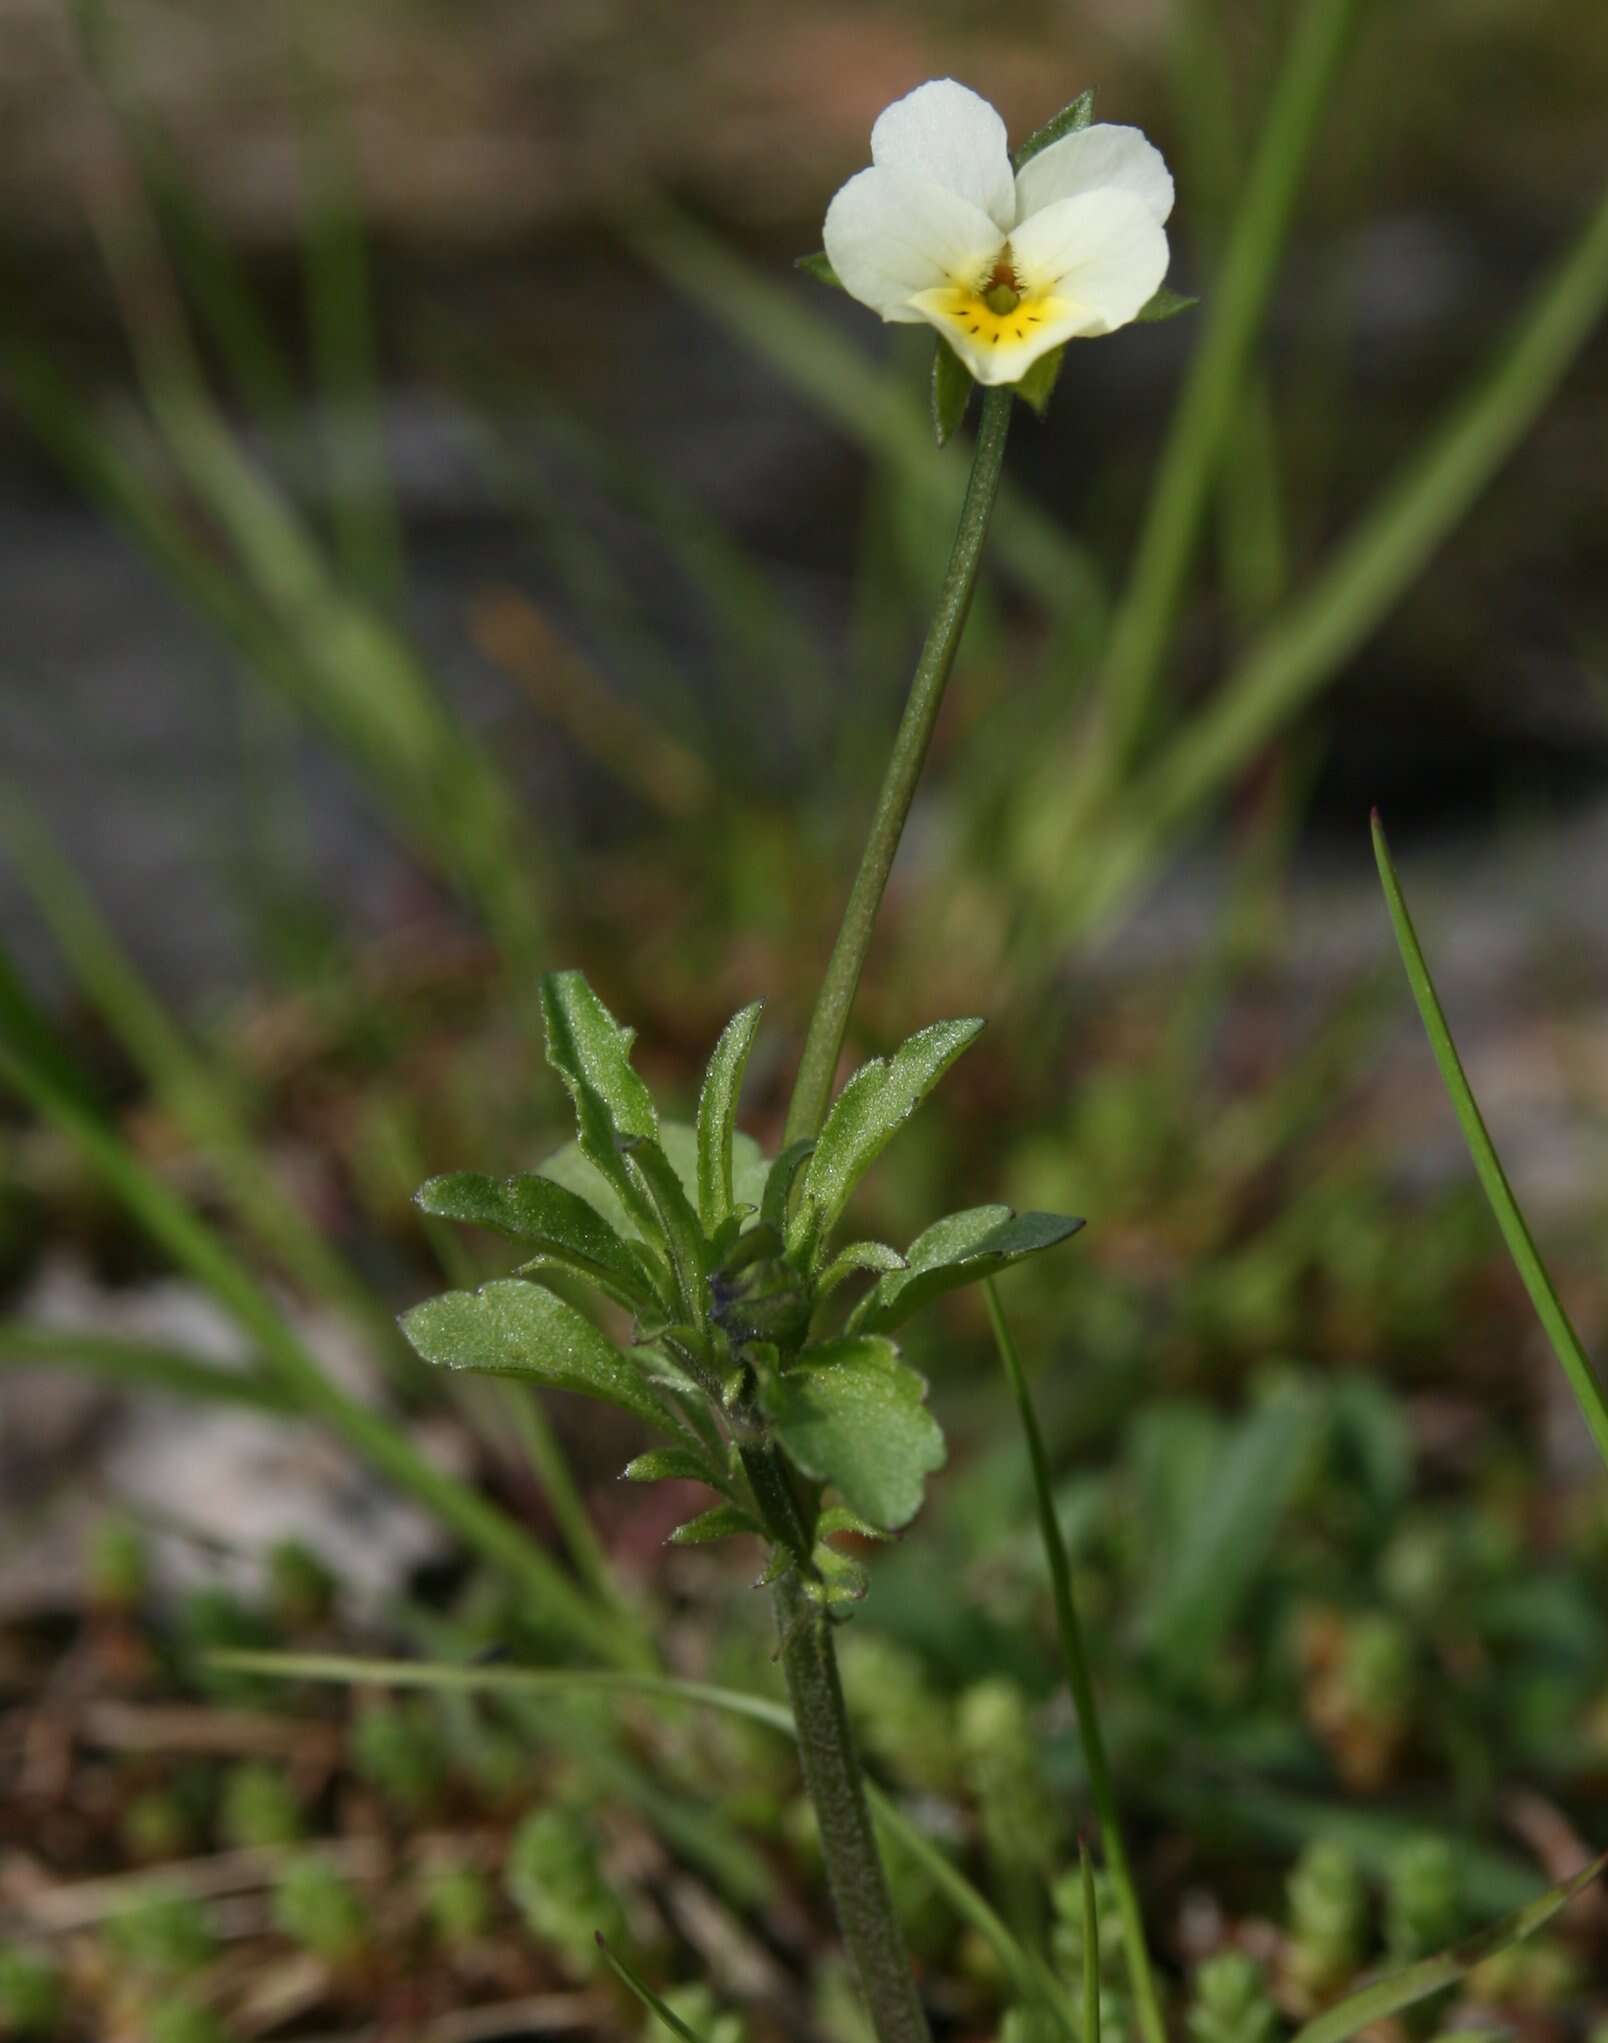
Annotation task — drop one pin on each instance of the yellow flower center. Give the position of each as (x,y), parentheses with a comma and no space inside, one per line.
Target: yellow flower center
(997,310)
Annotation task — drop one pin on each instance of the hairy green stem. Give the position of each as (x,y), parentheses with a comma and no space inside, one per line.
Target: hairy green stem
(836,1790)
(826,1745)
(829,1022)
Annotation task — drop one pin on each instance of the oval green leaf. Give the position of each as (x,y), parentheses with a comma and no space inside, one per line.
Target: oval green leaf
(511,1328)
(851,1414)
(962,1248)
(717,1116)
(588,1048)
(867,1113)
(566,1228)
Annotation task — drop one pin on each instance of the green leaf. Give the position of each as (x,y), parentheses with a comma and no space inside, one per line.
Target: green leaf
(718,1523)
(1359,2011)
(565,1227)
(867,1113)
(1164,305)
(951,391)
(1549,1308)
(1066,122)
(779,1184)
(850,1413)
(820,268)
(839,1518)
(571,1167)
(717,1116)
(1037,387)
(673,1465)
(677,1222)
(588,1049)
(960,1249)
(511,1328)
(1223,1546)
(859,1255)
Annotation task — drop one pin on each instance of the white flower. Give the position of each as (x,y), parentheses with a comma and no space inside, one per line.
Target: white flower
(1006,266)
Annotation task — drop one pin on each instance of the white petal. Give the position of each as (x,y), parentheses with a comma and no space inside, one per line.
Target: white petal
(1008,359)
(1104,250)
(945,132)
(889,236)
(1096,159)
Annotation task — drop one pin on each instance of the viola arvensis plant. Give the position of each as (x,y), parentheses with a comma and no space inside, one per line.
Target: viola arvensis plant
(1008,261)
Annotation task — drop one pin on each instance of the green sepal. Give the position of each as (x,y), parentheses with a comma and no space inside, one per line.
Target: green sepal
(1165,304)
(565,1228)
(867,1113)
(1037,387)
(717,1523)
(511,1328)
(587,1047)
(819,267)
(952,387)
(962,1248)
(717,1116)
(779,1184)
(1066,122)
(849,1412)
(858,1256)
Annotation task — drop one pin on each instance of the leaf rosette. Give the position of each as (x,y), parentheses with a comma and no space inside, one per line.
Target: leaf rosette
(728,1321)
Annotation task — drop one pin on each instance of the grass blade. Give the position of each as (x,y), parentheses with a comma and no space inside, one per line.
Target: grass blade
(1309,641)
(1091,1947)
(1101,1784)
(1209,405)
(1226,1544)
(203,1100)
(335,259)
(136,1365)
(1402,1989)
(1493,1179)
(634,1983)
(1033,1978)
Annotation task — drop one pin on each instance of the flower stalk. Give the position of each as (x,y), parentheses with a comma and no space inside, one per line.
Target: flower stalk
(809,1658)
(823,1044)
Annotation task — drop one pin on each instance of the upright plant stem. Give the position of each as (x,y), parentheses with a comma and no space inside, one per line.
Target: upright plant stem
(828,1024)
(809,1659)
(836,1790)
